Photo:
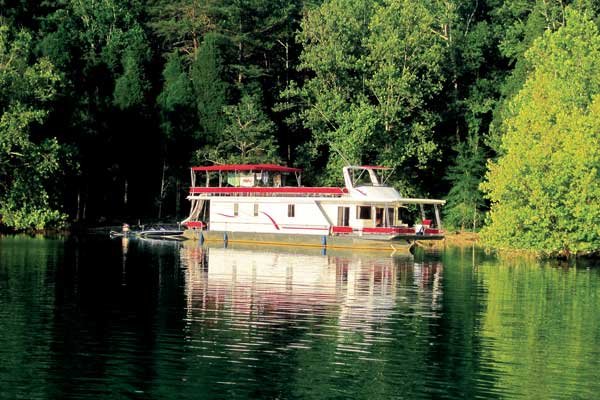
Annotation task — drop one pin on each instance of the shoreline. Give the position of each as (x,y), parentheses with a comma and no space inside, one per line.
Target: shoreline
(453,239)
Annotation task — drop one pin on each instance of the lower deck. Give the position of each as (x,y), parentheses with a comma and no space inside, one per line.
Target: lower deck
(342,219)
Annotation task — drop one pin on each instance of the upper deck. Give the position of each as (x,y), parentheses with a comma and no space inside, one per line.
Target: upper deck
(266,180)
(362,183)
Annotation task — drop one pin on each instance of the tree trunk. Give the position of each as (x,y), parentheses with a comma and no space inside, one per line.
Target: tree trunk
(125,190)
(78,213)
(240,52)
(84,208)
(177,198)
(161,194)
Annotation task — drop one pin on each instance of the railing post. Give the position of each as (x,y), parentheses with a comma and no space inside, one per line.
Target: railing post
(438,220)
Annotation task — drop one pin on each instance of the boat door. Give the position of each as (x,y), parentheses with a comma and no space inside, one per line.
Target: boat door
(384,216)
(379,217)
(389,216)
(343,218)
(205,212)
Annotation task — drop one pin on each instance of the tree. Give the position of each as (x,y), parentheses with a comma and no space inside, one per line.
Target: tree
(517,25)
(181,24)
(374,68)
(247,137)
(28,167)
(102,53)
(178,125)
(465,200)
(545,189)
(209,88)
(131,86)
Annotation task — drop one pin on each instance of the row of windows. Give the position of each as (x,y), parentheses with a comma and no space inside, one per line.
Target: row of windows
(362,212)
(291,210)
(366,212)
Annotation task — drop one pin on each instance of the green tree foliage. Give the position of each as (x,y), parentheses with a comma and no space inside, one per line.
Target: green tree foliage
(545,189)
(181,24)
(209,89)
(464,208)
(27,164)
(247,137)
(374,67)
(255,35)
(102,53)
(176,101)
(517,24)
(131,86)
(176,98)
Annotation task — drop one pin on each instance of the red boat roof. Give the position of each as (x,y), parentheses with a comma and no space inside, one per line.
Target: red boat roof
(247,167)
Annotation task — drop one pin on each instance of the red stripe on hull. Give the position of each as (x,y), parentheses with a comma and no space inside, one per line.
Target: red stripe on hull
(272,220)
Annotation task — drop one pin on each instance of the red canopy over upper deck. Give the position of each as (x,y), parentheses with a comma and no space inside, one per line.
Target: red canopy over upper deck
(246,167)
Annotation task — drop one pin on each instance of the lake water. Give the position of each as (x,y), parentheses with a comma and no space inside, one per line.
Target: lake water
(91,317)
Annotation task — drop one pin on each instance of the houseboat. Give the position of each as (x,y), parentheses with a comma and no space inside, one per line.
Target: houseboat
(257,203)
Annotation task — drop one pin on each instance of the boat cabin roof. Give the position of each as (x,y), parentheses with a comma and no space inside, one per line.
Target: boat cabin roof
(246,168)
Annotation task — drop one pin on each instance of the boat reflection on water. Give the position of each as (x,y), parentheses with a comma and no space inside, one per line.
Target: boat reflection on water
(353,291)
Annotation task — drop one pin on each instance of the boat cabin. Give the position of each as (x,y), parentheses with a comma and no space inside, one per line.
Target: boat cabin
(267,198)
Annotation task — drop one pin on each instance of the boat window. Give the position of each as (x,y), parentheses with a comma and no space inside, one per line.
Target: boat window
(363,212)
(406,216)
(402,215)
(389,221)
(291,210)
(343,216)
(235,209)
(256,210)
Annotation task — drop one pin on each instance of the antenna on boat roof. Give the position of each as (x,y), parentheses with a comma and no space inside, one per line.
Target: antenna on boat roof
(340,154)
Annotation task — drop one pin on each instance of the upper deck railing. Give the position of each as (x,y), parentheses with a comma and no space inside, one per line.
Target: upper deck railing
(270,191)
(246,175)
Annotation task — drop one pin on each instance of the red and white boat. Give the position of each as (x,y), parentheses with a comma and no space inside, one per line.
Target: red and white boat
(256,203)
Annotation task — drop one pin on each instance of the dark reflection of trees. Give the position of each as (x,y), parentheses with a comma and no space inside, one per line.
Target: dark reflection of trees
(26,304)
(115,303)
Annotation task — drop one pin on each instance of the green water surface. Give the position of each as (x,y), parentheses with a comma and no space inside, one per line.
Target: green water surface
(89,317)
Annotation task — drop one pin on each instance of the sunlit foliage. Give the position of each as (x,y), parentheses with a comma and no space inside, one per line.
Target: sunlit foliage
(27,165)
(545,189)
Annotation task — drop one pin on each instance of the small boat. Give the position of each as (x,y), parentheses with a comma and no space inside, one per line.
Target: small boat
(162,233)
(252,203)
(152,233)
(119,234)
